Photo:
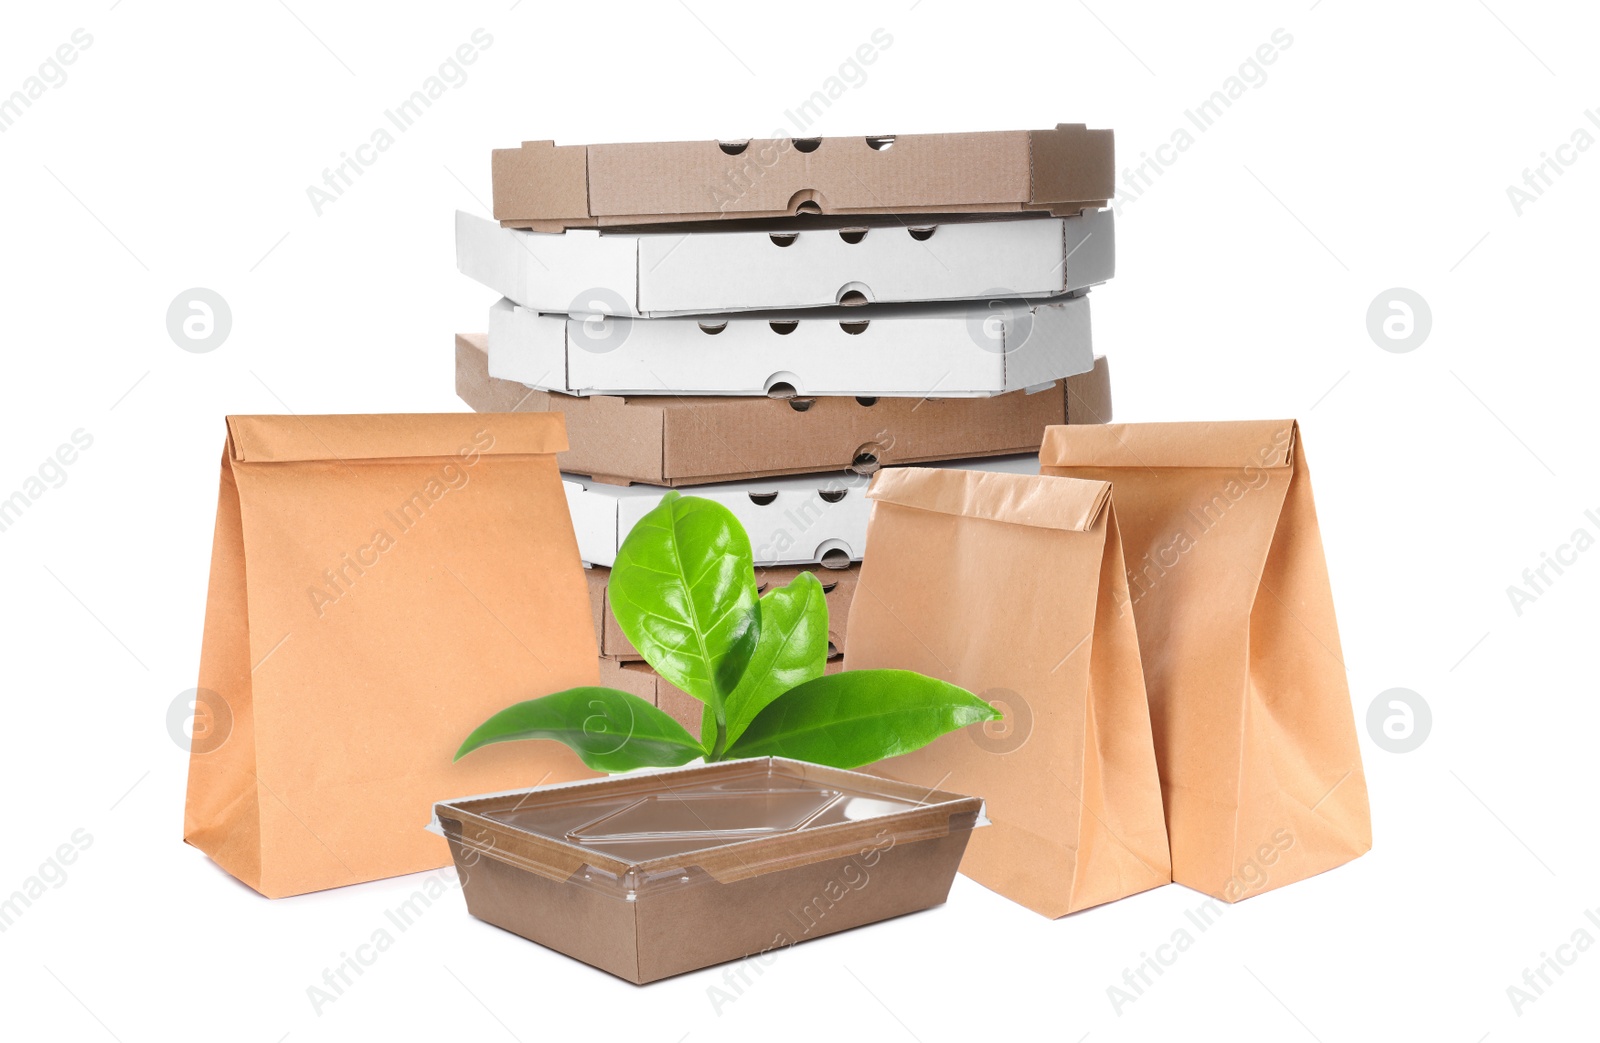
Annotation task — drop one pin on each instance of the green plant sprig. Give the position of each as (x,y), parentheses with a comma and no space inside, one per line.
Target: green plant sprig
(683,590)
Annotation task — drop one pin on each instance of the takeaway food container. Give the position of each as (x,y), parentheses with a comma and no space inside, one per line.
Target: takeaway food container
(647,876)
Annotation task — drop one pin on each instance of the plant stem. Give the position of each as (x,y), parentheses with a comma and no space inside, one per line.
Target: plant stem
(722,737)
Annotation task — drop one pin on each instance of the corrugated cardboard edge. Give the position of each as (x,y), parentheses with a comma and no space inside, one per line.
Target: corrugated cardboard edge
(1070,163)
(1089,395)
(674,221)
(480,391)
(1042,501)
(541,177)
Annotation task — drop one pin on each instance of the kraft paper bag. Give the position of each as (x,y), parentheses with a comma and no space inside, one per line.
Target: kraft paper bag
(1254,730)
(1006,584)
(379,586)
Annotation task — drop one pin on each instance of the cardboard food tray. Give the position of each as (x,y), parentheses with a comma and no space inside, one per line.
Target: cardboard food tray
(838,585)
(794,520)
(549,187)
(960,350)
(682,441)
(812,264)
(648,876)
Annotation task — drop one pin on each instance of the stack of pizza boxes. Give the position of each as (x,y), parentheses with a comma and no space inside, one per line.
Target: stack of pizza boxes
(768,322)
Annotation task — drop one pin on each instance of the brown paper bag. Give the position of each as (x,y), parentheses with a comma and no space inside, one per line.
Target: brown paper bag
(379,586)
(1006,584)
(1254,730)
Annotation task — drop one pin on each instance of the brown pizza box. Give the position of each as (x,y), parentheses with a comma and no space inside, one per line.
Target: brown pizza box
(550,187)
(681,441)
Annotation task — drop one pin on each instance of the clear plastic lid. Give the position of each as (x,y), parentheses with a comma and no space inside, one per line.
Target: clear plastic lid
(724,821)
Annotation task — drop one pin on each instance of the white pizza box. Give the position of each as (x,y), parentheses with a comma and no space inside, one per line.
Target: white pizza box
(961,350)
(794,520)
(819,263)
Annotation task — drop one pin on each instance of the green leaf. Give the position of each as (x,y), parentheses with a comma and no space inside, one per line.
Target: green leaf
(610,730)
(683,589)
(857,717)
(793,649)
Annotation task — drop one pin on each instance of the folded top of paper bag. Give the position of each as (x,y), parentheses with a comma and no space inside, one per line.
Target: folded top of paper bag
(995,496)
(389,436)
(1253,443)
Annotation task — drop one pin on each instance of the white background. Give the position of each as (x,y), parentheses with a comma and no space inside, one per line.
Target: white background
(1376,154)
